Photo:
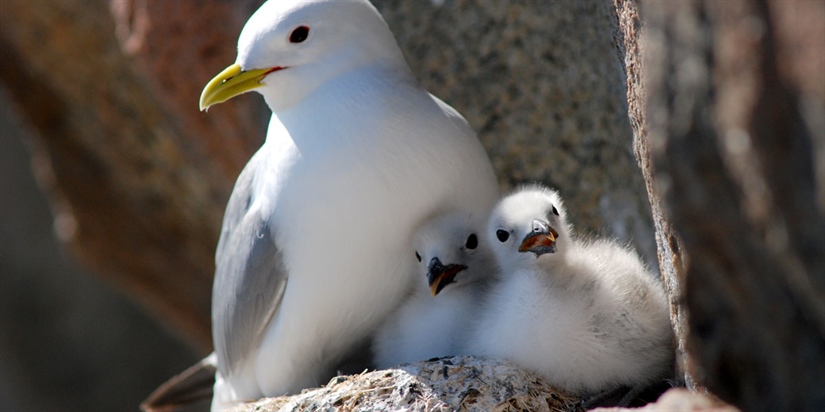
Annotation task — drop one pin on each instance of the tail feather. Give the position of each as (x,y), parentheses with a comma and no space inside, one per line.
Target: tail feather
(184,390)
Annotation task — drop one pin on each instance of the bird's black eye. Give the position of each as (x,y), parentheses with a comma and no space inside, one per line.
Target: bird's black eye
(417,256)
(555,212)
(502,235)
(472,242)
(299,34)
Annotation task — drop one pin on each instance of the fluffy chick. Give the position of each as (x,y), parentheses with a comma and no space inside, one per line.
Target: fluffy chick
(588,316)
(454,268)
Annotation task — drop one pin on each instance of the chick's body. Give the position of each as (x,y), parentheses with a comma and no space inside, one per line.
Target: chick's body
(589,317)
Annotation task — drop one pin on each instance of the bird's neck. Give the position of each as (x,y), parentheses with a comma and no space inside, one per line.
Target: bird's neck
(303,88)
(339,111)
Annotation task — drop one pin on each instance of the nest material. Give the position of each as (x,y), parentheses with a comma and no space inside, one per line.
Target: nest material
(445,384)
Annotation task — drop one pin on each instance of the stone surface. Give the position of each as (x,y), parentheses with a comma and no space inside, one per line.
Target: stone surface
(543,85)
(671,267)
(735,142)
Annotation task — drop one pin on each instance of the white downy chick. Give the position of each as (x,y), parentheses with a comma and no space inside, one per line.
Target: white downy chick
(454,269)
(586,315)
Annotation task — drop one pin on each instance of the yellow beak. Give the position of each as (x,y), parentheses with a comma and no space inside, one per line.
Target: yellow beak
(231,82)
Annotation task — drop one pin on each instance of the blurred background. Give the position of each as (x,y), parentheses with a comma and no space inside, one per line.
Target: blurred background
(69,340)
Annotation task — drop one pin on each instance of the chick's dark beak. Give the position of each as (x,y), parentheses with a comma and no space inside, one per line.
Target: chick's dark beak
(540,240)
(440,275)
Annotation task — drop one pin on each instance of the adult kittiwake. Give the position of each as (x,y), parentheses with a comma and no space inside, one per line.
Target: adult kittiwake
(314,250)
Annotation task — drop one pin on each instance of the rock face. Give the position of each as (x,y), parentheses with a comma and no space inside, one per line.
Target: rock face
(544,86)
(728,113)
(671,265)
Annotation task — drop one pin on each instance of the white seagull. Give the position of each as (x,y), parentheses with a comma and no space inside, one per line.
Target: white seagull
(454,267)
(314,250)
(586,315)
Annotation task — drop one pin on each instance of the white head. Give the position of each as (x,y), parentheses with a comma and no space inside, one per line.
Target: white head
(288,49)
(451,252)
(529,227)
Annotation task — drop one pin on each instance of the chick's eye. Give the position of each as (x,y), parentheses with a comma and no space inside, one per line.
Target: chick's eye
(502,235)
(555,212)
(417,256)
(299,34)
(472,242)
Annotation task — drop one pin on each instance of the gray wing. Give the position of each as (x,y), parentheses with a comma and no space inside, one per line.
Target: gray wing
(249,275)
